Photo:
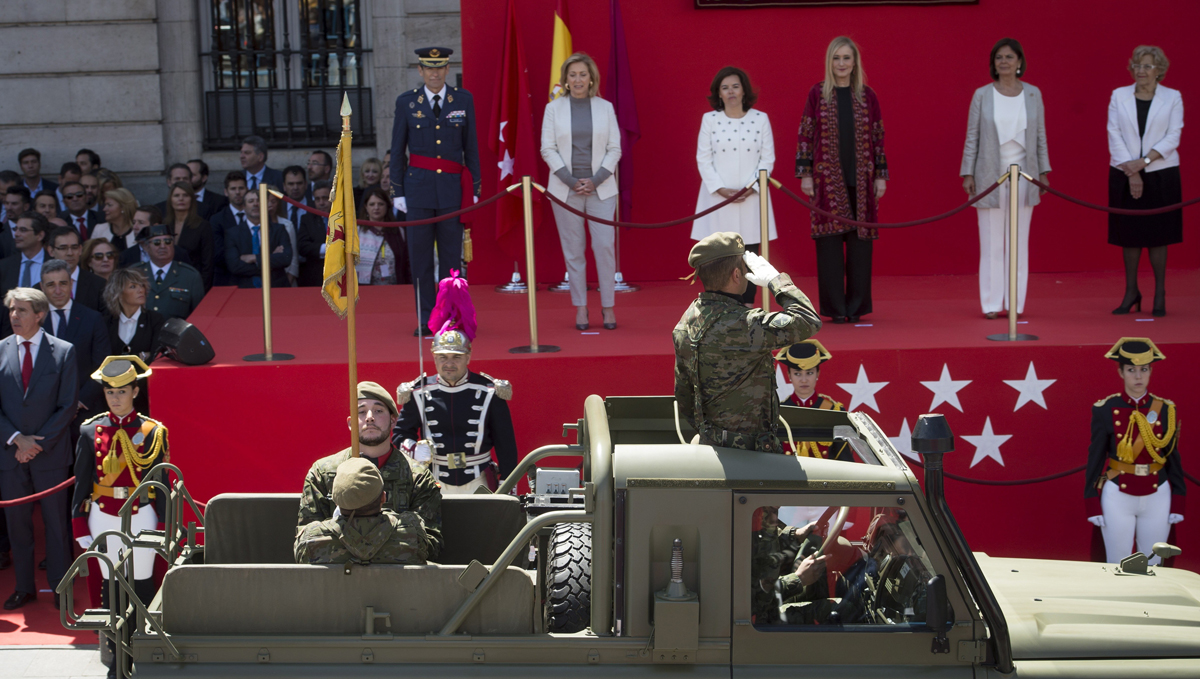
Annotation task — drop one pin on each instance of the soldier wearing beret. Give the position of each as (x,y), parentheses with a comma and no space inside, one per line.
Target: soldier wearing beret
(407,489)
(366,531)
(1134,484)
(802,361)
(114,452)
(433,142)
(724,352)
(175,288)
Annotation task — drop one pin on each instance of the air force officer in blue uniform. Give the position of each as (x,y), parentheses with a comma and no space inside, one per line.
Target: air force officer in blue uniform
(435,124)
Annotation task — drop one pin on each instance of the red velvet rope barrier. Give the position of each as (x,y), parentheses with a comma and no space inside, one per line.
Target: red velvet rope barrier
(415,222)
(1113,210)
(659,225)
(895,225)
(37,496)
(1016,482)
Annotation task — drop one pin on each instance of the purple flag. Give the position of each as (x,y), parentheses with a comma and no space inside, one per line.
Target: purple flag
(618,89)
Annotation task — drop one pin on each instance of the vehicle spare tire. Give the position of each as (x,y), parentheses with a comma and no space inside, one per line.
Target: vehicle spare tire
(569,578)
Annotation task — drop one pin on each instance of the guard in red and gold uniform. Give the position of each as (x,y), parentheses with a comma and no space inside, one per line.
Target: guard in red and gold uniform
(115,451)
(1135,484)
(802,363)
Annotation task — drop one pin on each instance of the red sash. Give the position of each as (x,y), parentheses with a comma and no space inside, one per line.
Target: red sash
(436,164)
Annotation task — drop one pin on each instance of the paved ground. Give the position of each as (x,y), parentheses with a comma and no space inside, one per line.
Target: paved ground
(50,661)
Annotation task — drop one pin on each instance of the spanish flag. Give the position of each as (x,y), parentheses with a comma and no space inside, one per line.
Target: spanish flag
(561,49)
(341,235)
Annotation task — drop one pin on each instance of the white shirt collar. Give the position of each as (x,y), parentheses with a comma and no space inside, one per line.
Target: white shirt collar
(429,94)
(66,309)
(155,269)
(39,257)
(130,319)
(257,175)
(200,194)
(36,340)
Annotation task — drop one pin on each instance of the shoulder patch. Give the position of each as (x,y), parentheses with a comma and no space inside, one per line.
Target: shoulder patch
(503,387)
(404,392)
(837,405)
(95,419)
(1104,400)
(1167,401)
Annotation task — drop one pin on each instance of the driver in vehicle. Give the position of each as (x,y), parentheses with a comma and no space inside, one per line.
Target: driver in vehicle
(776,548)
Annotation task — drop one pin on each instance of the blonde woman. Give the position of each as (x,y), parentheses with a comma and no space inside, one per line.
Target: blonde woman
(843,169)
(368,175)
(581,144)
(119,206)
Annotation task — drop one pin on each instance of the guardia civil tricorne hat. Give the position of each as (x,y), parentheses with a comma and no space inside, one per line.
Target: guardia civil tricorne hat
(804,355)
(434,57)
(1135,351)
(119,371)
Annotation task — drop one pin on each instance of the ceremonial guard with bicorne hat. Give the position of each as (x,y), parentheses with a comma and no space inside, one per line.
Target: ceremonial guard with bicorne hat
(1135,486)
(453,421)
(802,363)
(115,451)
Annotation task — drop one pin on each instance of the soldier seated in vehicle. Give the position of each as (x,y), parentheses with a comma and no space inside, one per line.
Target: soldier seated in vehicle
(366,531)
(781,549)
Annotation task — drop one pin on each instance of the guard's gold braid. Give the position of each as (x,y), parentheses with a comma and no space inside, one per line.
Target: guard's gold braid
(1154,443)
(136,460)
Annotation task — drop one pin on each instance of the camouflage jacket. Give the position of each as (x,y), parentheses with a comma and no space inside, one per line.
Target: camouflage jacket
(724,365)
(386,537)
(407,491)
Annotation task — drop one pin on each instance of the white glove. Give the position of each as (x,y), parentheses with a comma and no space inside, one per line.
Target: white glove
(1174,518)
(476,199)
(423,451)
(400,204)
(1097,521)
(85,541)
(761,271)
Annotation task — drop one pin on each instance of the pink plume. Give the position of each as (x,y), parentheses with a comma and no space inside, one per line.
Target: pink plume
(454,309)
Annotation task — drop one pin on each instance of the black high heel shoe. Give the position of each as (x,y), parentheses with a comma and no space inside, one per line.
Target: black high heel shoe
(1127,304)
(1160,306)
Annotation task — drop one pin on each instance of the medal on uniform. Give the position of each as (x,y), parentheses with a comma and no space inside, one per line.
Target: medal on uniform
(421,99)
(418,114)
(1152,417)
(411,105)
(449,98)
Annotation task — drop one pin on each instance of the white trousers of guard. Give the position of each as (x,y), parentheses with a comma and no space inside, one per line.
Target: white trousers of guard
(1127,516)
(143,557)
(467,488)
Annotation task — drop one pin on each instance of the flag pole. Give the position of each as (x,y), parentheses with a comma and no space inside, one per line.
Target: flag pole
(351,302)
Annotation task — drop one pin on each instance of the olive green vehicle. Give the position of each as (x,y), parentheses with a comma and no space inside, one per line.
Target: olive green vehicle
(670,560)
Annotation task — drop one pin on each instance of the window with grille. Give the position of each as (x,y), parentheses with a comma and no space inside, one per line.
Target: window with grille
(278,69)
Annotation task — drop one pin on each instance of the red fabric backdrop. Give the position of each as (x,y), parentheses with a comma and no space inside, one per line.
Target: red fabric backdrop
(924,62)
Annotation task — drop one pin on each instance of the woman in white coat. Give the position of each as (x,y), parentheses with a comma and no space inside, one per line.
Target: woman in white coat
(1145,122)
(582,144)
(735,143)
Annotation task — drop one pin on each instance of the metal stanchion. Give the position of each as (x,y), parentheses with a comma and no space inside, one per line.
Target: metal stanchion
(619,284)
(533,347)
(1014,177)
(264,260)
(514,286)
(763,218)
(564,286)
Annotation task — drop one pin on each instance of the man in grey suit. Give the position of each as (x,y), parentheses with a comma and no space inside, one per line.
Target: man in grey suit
(39,390)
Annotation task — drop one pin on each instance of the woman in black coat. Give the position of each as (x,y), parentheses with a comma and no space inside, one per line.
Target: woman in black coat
(132,328)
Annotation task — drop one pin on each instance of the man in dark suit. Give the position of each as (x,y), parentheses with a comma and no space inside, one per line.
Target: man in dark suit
(207,202)
(84,328)
(310,238)
(31,167)
(175,288)
(242,248)
(16,203)
(24,269)
(295,186)
(427,182)
(224,222)
(77,213)
(320,169)
(253,157)
(39,392)
(176,173)
(87,289)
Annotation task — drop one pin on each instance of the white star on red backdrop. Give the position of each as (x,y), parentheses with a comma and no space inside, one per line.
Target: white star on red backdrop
(862,391)
(945,390)
(1030,389)
(987,444)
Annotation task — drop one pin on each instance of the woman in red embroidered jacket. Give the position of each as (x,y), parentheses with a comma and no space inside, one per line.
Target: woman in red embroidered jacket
(843,169)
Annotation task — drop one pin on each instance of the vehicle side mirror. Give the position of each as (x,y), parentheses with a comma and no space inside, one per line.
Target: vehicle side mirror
(935,613)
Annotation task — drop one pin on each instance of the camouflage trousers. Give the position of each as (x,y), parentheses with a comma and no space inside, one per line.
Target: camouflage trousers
(766,442)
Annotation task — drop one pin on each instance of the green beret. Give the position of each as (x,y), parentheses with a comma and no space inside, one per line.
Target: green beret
(716,246)
(357,485)
(374,391)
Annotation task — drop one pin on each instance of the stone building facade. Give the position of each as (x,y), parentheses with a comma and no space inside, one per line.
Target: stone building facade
(147,83)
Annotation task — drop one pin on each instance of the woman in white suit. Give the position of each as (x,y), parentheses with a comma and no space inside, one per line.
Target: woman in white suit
(1006,126)
(582,144)
(1145,121)
(735,143)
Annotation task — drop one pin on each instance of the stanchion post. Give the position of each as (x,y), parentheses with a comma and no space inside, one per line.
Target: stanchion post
(763,218)
(1014,203)
(527,202)
(264,260)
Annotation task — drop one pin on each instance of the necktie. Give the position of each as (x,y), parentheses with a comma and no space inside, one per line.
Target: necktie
(158,279)
(253,183)
(81,227)
(27,365)
(437,107)
(257,241)
(241,218)
(25,274)
(62,322)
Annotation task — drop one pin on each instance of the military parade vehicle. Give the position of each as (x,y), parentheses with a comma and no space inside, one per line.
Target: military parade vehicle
(656,557)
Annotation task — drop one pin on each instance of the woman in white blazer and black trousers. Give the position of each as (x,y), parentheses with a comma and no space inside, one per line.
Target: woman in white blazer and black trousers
(1145,121)
(582,144)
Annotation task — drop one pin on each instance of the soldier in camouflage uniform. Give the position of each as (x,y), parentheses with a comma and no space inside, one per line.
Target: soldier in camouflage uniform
(779,550)
(407,489)
(724,363)
(366,531)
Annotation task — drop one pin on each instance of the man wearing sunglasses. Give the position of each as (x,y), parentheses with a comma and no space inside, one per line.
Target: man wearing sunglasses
(77,213)
(87,289)
(175,288)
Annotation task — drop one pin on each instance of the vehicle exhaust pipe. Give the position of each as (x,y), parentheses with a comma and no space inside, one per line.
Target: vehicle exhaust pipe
(932,439)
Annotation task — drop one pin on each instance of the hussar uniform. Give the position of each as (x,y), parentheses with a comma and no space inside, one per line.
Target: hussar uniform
(1134,472)
(807,355)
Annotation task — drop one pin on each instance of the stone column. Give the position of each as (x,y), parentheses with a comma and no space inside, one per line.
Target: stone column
(179,78)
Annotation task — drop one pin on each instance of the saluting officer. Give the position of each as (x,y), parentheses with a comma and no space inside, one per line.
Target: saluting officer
(455,419)
(802,361)
(176,289)
(1134,483)
(114,452)
(433,141)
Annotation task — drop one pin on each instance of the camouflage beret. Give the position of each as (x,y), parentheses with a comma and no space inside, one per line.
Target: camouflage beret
(357,485)
(375,391)
(716,246)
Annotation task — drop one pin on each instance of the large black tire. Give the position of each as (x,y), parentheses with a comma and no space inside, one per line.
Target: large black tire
(569,579)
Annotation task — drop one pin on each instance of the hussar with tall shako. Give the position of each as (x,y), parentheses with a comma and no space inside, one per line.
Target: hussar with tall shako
(454,420)
(802,363)
(1135,486)
(115,451)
